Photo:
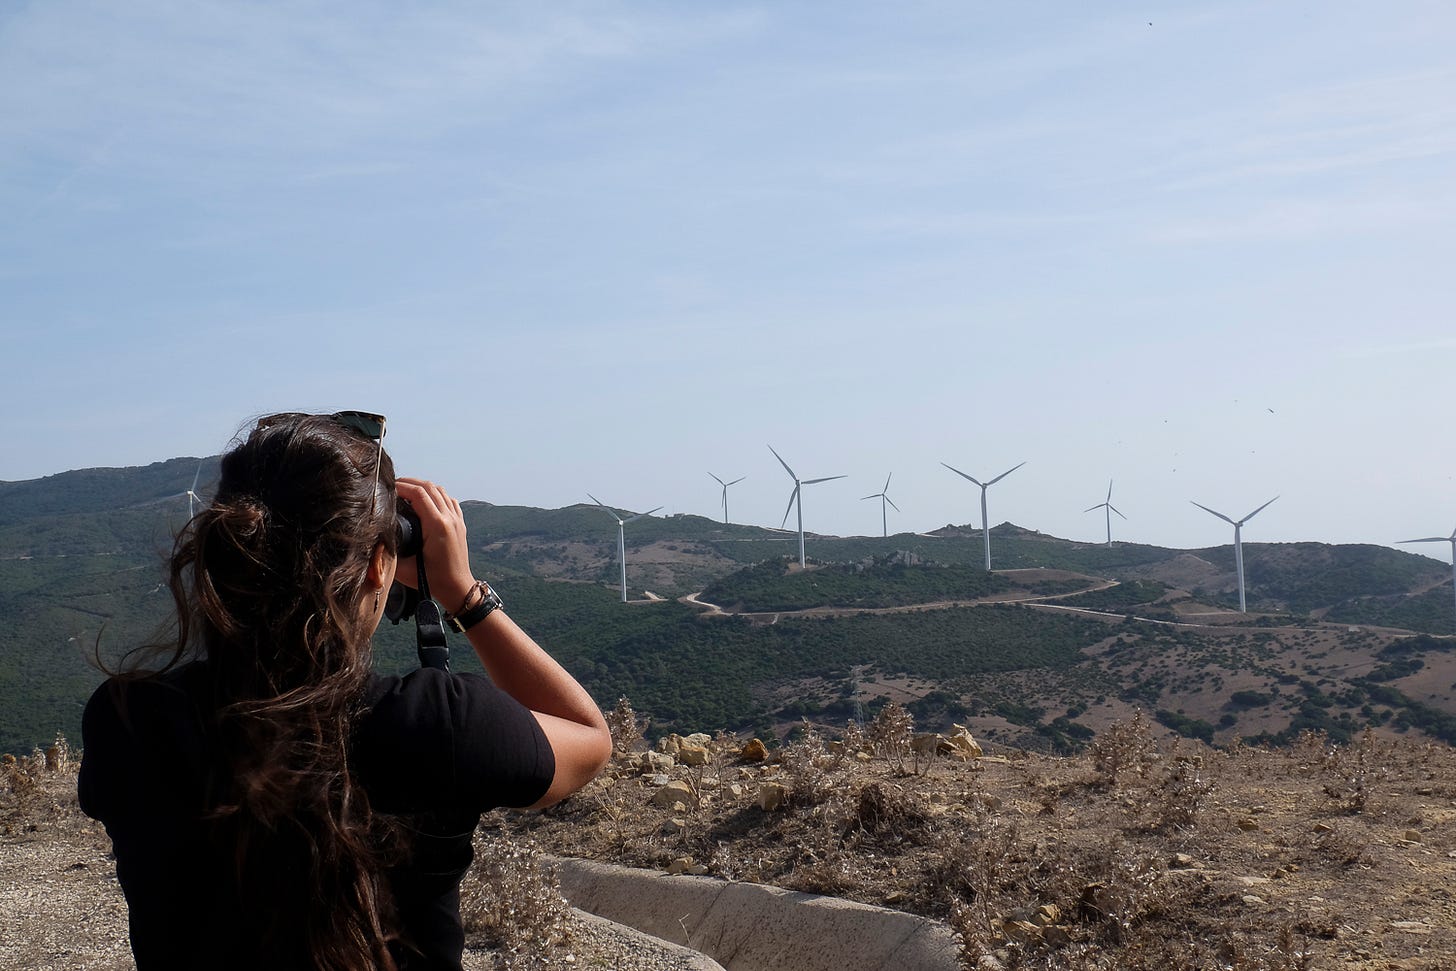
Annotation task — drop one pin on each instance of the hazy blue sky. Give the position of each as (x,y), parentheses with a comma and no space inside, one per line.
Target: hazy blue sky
(1202,248)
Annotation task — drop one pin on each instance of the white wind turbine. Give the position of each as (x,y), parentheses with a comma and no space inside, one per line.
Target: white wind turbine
(985,524)
(1238,542)
(725,486)
(193,499)
(794,497)
(1107,504)
(621,536)
(884,497)
(1442,539)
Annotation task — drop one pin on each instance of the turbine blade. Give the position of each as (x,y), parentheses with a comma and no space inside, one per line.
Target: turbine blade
(610,511)
(197,475)
(887,482)
(1215,512)
(1098,506)
(1109,490)
(827,478)
(735,481)
(892,504)
(1115,509)
(784,464)
(640,515)
(792,496)
(1428,539)
(718,480)
(875,496)
(962,474)
(1255,512)
(1005,474)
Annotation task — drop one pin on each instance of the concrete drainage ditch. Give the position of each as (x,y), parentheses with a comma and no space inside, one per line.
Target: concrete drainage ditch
(750,927)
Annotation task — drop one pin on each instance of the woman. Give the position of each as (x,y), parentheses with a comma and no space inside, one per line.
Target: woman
(271,802)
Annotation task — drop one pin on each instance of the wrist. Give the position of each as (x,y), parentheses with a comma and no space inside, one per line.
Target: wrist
(479,602)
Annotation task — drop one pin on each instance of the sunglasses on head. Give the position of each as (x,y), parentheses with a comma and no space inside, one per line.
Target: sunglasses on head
(368,424)
(371,426)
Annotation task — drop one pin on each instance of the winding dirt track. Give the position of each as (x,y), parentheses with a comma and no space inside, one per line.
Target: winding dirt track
(1030,600)
(772,616)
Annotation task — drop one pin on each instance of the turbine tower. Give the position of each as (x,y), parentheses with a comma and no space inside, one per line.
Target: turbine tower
(1238,542)
(621,536)
(794,497)
(725,486)
(1107,504)
(884,497)
(1442,539)
(985,524)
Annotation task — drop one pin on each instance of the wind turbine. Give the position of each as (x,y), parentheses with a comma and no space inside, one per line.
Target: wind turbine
(621,536)
(794,497)
(192,492)
(193,499)
(725,486)
(985,524)
(1441,539)
(883,496)
(1238,542)
(1107,504)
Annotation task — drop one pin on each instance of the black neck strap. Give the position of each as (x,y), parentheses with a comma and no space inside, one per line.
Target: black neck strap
(429,626)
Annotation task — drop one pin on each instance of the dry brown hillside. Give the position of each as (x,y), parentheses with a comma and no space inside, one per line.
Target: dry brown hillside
(1144,852)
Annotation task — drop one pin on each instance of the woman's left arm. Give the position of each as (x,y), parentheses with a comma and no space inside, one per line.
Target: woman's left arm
(570,719)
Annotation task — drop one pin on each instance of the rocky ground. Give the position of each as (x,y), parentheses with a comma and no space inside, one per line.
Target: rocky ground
(1143,852)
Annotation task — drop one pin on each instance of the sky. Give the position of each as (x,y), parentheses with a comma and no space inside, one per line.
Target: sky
(1201,250)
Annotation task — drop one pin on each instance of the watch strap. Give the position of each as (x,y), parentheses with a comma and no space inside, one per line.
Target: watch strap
(489,601)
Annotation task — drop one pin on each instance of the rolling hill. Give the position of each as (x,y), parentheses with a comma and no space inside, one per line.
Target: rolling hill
(1063,639)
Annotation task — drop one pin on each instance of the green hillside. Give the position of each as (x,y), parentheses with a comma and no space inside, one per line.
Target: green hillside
(82,554)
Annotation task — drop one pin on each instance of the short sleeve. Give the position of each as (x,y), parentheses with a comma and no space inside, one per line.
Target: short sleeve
(432,741)
(102,739)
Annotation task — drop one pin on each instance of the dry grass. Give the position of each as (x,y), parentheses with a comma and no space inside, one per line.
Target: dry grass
(1141,853)
(511,902)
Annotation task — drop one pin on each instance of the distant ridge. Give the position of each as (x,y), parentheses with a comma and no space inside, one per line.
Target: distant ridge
(1128,625)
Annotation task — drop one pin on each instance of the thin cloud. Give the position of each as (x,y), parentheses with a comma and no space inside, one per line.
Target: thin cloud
(1399,349)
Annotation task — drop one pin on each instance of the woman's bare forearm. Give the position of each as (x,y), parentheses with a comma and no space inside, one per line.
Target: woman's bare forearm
(523,670)
(569,718)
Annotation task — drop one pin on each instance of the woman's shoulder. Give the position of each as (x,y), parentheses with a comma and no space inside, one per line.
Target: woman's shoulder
(432,699)
(139,733)
(127,699)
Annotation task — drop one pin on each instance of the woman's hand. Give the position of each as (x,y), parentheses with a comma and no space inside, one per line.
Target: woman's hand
(446,552)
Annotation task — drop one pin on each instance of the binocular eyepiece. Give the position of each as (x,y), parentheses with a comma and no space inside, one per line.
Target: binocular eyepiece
(415,602)
(410,537)
(402,600)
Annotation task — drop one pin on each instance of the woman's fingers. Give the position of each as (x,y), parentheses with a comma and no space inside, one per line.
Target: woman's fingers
(442,522)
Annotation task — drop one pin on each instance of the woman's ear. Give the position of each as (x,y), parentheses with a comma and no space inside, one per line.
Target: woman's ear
(381,568)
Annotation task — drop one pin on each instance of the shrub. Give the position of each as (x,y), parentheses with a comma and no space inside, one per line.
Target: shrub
(1124,747)
(511,900)
(890,734)
(625,727)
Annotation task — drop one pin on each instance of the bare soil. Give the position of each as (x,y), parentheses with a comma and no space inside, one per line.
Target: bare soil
(1145,852)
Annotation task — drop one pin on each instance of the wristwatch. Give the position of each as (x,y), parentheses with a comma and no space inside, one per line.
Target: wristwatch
(489,601)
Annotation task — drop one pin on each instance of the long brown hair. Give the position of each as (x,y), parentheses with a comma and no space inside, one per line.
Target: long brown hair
(269,582)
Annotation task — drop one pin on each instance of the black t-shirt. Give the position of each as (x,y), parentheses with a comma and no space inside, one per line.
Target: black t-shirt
(434,749)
